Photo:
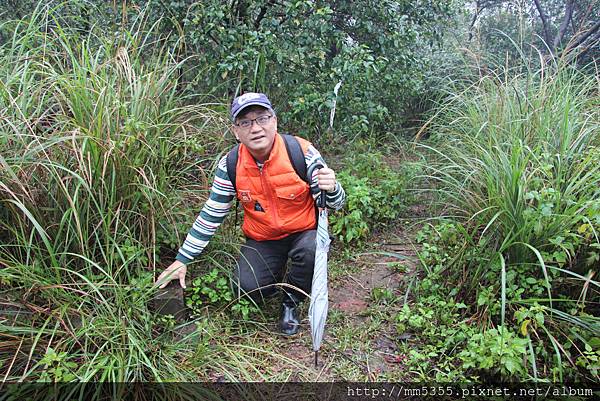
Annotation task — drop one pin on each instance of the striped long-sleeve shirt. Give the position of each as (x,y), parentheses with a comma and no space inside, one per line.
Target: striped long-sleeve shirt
(221,199)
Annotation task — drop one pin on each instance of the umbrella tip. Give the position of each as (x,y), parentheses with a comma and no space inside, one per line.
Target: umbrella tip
(316,357)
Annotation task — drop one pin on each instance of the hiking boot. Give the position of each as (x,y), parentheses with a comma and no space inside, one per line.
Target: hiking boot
(289,322)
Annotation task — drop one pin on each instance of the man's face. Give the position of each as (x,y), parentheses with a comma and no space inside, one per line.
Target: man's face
(257,137)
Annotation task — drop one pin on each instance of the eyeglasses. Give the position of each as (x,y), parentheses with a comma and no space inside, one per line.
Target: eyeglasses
(261,120)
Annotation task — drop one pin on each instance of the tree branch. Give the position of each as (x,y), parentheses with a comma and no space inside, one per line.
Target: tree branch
(544,22)
(578,40)
(480,7)
(563,27)
(594,42)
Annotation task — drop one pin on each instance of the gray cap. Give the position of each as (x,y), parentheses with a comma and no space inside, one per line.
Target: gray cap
(247,100)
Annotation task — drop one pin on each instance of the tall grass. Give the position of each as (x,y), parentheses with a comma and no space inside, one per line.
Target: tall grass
(94,142)
(517,162)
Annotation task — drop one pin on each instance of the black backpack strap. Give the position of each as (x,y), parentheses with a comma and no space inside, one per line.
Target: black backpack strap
(232,158)
(296,155)
(231,163)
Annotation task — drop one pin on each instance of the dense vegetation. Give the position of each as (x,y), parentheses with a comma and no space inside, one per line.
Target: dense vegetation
(515,165)
(112,117)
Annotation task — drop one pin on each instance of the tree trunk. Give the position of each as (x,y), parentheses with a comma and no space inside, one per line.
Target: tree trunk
(474,20)
(563,27)
(544,23)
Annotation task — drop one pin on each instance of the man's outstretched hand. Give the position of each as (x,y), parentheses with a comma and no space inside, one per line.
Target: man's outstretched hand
(175,271)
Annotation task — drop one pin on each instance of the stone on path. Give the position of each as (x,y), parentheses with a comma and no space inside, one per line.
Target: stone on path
(170,301)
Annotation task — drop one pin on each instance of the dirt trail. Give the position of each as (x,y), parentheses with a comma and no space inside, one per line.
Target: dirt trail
(360,340)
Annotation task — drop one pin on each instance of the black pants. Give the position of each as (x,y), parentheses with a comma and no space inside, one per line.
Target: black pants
(261,266)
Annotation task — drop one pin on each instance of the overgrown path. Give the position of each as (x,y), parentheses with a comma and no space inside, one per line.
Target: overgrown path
(366,290)
(368,286)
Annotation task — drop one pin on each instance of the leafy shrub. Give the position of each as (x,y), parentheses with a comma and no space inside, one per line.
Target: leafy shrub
(210,288)
(590,360)
(242,46)
(496,351)
(352,223)
(56,367)
(440,329)
(213,288)
(244,308)
(375,195)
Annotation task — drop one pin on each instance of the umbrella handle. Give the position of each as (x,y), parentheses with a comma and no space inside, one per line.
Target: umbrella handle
(309,174)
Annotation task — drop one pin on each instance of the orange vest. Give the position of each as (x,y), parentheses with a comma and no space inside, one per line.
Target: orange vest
(276,201)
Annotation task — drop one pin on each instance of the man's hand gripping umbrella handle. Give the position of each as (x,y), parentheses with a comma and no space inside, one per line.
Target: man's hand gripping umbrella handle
(321,201)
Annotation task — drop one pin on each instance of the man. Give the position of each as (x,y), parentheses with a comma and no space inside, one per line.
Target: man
(279,211)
